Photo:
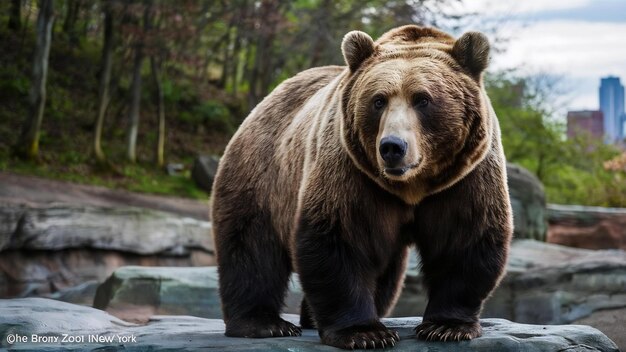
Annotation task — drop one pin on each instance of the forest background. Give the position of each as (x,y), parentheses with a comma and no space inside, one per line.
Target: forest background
(111,92)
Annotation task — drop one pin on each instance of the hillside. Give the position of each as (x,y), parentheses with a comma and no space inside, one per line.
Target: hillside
(195,123)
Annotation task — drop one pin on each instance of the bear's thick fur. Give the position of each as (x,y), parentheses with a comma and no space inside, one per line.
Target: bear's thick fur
(340,170)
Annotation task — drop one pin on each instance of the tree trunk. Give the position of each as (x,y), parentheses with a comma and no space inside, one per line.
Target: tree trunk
(320,36)
(71,14)
(105,80)
(228,54)
(262,73)
(160,146)
(28,145)
(71,17)
(135,91)
(135,99)
(236,61)
(240,33)
(15,19)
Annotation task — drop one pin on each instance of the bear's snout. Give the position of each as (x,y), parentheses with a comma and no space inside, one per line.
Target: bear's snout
(392,149)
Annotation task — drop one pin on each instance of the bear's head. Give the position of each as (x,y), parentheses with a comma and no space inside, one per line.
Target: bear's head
(416,118)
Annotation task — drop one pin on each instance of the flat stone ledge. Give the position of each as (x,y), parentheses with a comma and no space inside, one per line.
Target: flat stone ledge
(56,226)
(49,318)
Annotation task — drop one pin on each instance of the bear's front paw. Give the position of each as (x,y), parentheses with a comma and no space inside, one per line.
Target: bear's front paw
(447,331)
(261,327)
(361,337)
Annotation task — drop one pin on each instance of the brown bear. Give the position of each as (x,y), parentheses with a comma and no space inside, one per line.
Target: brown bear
(340,170)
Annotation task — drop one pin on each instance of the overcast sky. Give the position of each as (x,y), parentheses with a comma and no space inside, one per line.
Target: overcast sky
(580,40)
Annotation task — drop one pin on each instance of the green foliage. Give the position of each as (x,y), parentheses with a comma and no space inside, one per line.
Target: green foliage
(148,179)
(572,171)
(13,82)
(218,59)
(214,114)
(177,92)
(135,177)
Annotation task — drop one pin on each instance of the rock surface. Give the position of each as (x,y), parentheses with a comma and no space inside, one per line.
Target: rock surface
(45,248)
(545,284)
(82,294)
(25,273)
(135,293)
(125,229)
(48,318)
(204,171)
(529,204)
(612,323)
(587,227)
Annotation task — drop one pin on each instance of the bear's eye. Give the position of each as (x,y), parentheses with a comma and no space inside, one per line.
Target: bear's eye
(379,103)
(421,101)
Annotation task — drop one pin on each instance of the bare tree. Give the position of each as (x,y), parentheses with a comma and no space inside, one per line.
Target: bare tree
(135,90)
(28,144)
(105,80)
(156,76)
(71,17)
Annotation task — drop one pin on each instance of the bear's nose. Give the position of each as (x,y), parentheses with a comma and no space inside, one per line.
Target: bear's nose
(392,149)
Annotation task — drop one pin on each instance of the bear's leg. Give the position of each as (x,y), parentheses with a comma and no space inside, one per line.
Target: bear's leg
(254,271)
(339,289)
(306,316)
(389,284)
(458,281)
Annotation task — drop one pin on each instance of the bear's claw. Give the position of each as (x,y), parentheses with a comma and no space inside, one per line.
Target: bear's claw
(361,337)
(431,331)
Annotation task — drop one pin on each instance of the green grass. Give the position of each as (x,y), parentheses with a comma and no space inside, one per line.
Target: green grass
(133,177)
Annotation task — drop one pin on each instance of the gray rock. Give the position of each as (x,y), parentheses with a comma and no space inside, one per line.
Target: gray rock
(27,273)
(161,291)
(48,318)
(529,204)
(134,230)
(80,294)
(204,171)
(611,322)
(134,293)
(49,247)
(544,284)
(174,169)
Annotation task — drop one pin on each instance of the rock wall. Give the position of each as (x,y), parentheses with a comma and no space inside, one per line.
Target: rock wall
(48,247)
(587,227)
(544,284)
(529,204)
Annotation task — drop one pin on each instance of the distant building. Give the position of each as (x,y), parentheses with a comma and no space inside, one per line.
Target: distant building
(612,106)
(588,121)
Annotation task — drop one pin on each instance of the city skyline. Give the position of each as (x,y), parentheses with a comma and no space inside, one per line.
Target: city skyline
(608,121)
(579,41)
(611,98)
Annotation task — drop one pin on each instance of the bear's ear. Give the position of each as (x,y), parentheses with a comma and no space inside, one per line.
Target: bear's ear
(472,52)
(356,46)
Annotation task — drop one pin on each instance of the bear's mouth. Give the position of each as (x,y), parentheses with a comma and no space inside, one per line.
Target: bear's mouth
(399,171)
